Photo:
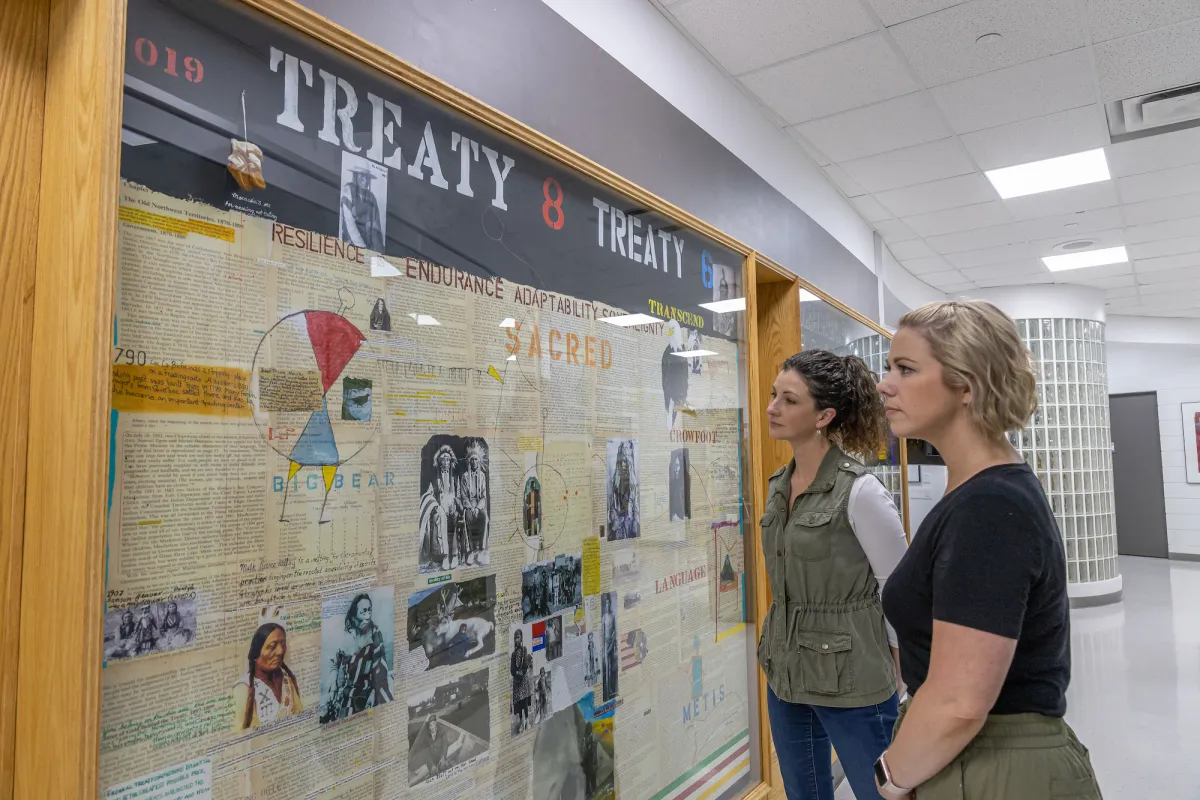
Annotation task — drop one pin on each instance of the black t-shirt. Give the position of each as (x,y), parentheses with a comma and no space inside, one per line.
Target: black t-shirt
(989,557)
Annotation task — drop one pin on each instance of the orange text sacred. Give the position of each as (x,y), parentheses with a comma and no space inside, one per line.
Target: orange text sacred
(584,351)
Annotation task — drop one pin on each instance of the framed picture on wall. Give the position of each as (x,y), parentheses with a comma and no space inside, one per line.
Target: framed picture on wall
(1191,441)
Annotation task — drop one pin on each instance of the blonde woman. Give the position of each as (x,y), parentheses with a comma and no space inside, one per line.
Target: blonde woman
(979,602)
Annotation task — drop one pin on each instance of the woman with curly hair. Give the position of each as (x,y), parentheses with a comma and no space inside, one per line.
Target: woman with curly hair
(831,535)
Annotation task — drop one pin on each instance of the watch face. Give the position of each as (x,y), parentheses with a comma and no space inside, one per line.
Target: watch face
(881,776)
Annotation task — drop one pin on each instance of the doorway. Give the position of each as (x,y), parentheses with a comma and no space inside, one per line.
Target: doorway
(1137,475)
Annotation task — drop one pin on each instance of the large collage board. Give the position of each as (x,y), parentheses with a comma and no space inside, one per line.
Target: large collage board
(403,503)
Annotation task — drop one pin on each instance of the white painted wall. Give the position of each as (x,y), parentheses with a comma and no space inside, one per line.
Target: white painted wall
(1172,370)
(636,33)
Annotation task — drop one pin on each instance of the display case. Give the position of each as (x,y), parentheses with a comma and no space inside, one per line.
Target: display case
(372,444)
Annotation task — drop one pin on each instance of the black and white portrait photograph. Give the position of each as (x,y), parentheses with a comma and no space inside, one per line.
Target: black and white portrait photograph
(381,318)
(592,664)
(455,516)
(356,399)
(554,638)
(548,587)
(692,343)
(680,487)
(357,652)
(676,371)
(453,622)
(626,568)
(573,755)
(363,204)
(449,728)
(726,286)
(624,502)
(531,507)
(149,628)
(612,659)
(527,670)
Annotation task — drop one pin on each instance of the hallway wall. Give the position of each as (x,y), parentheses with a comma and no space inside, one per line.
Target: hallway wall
(1172,370)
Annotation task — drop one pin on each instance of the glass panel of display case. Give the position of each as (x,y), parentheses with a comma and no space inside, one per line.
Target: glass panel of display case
(426,449)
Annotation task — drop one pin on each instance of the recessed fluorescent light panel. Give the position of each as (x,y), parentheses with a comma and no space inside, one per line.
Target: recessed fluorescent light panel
(694,353)
(726,306)
(1050,174)
(631,319)
(424,319)
(808,297)
(1089,258)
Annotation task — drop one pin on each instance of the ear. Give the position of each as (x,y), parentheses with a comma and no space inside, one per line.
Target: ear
(825,417)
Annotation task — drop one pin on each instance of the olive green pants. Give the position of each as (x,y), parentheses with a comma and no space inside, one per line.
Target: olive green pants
(1016,757)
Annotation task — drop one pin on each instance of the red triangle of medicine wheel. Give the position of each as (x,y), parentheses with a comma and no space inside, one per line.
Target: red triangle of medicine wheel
(334,342)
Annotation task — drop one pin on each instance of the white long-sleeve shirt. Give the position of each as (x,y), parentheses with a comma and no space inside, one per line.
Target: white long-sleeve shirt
(876,522)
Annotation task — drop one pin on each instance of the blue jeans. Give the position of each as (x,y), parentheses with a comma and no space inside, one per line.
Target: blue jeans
(803,735)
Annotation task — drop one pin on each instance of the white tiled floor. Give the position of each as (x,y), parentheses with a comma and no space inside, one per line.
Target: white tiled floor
(1135,686)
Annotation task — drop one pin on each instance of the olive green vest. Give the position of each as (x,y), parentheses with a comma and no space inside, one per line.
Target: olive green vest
(824,641)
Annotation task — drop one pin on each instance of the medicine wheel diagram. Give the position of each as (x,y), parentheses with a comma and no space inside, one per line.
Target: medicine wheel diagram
(297,371)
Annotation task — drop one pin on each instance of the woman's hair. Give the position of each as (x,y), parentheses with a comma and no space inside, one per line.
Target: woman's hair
(256,646)
(352,611)
(847,385)
(980,350)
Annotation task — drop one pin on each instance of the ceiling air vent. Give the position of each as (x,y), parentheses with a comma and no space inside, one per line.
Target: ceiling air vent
(1154,113)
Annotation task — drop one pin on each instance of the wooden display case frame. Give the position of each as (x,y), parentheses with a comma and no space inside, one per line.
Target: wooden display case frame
(62,62)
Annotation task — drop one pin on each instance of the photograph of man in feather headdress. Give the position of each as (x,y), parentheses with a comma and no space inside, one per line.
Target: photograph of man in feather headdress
(624,502)
(455,516)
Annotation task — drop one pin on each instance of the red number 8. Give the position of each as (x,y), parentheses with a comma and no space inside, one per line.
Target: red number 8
(554,205)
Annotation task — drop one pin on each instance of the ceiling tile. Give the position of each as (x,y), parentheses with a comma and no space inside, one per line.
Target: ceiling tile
(990,255)
(1147,62)
(906,251)
(1171,276)
(976,240)
(1015,280)
(1115,282)
(1119,292)
(816,155)
(890,125)
(950,277)
(1164,183)
(1029,266)
(894,231)
(746,34)
(1152,153)
(963,218)
(1166,262)
(896,11)
(1026,91)
(962,190)
(1111,19)
(1175,290)
(848,185)
(1168,247)
(870,208)
(1161,210)
(955,289)
(1060,134)
(924,162)
(1163,231)
(1063,201)
(854,73)
(1101,239)
(1080,223)
(924,266)
(942,47)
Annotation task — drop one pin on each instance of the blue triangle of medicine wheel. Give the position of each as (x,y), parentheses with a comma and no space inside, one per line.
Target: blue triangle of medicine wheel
(316,447)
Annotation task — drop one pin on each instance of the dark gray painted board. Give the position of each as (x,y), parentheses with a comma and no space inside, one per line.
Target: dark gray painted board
(1137,475)
(524,59)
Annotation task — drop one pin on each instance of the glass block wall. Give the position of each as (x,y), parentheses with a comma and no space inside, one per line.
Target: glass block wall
(874,350)
(1068,442)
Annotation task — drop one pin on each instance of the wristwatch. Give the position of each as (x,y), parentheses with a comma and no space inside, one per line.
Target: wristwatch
(883,779)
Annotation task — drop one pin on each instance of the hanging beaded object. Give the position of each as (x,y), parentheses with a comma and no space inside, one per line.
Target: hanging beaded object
(245,162)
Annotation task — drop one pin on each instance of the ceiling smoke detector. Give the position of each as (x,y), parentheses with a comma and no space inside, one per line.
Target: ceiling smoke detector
(1073,245)
(989,38)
